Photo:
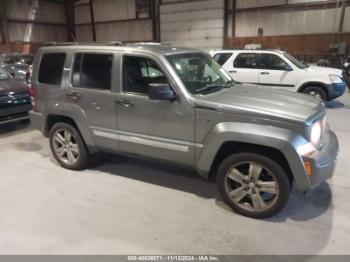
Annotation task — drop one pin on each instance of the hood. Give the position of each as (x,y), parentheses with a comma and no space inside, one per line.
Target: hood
(12,85)
(261,102)
(324,70)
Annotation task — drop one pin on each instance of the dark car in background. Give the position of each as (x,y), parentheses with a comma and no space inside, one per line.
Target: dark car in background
(15,101)
(17,65)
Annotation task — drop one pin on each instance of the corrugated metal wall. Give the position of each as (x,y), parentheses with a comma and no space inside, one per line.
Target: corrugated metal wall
(197,24)
(115,20)
(287,22)
(83,16)
(346,25)
(20,12)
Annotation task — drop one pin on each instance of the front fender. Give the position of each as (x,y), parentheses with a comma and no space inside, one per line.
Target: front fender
(283,140)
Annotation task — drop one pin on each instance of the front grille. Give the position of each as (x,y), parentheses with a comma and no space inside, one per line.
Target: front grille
(17,98)
(20,95)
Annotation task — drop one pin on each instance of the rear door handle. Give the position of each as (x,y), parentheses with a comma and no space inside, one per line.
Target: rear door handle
(265,73)
(232,71)
(125,103)
(73,95)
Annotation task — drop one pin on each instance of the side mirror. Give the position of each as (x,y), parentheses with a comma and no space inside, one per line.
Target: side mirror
(288,68)
(160,92)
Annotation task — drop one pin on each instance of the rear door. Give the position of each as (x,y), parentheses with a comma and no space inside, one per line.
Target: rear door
(244,68)
(276,72)
(92,92)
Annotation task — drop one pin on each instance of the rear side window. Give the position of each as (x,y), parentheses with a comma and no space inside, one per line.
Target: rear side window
(92,71)
(246,60)
(222,58)
(51,68)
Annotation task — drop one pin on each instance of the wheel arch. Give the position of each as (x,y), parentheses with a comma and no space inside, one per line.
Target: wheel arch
(229,138)
(314,83)
(232,147)
(53,118)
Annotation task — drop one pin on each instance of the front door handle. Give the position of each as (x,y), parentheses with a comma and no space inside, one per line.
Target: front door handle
(265,73)
(125,103)
(73,95)
(232,71)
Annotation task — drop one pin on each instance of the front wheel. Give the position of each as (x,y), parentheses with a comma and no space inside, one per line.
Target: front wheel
(253,185)
(68,147)
(316,91)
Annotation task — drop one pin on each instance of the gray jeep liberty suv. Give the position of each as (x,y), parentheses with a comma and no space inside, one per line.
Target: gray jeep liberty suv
(177,105)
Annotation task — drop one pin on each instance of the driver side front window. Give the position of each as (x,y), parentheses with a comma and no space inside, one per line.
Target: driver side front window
(139,73)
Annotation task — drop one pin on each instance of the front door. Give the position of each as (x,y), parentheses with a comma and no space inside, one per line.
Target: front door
(156,129)
(275,72)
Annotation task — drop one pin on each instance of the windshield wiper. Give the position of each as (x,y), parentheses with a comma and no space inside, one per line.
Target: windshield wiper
(213,86)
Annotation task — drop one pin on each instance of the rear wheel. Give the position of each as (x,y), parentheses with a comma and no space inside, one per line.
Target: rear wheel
(316,91)
(68,147)
(253,185)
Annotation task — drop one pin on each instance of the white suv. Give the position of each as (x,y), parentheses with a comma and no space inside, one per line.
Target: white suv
(279,69)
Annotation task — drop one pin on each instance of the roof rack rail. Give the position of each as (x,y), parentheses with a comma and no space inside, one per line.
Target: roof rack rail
(60,43)
(111,43)
(116,43)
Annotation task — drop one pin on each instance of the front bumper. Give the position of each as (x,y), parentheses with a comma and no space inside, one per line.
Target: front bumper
(14,113)
(323,162)
(336,90)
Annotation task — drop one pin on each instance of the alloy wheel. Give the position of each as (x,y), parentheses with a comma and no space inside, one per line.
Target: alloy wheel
(251,186)
(65,146)
(316,94)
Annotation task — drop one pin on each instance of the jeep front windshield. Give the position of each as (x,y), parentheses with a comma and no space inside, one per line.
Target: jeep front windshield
(200,73)
(295,61)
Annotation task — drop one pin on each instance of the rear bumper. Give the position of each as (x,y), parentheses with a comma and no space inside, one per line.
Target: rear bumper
(323,162)
(36,120)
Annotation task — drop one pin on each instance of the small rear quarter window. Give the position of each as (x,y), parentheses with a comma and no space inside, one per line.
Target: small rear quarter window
(221,58)
(51,68)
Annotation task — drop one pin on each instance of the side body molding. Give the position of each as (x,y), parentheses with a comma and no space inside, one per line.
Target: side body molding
(283,140)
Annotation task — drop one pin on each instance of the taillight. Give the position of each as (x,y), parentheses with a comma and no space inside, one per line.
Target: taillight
(32,96)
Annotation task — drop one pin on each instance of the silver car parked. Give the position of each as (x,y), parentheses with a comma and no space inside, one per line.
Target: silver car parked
(176,105)
(17,65)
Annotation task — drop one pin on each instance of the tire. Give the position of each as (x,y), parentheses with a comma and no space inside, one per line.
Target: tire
(316,91)
(271,178)
(76,147)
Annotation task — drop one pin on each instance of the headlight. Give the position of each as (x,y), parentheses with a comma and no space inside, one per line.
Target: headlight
(336,79)
(316,132)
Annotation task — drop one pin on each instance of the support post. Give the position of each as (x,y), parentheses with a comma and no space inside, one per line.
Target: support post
(92,21)
(70,17)
(234,8)
(341,20)
(154,11)
(4,25)
(225,19)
